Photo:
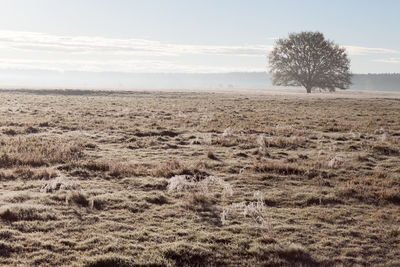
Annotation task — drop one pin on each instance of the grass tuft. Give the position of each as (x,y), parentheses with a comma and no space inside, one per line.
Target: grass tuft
(379,188)
(278,167)
(77,197)
(186,254)
(110,260)
(5,250)
(23,212)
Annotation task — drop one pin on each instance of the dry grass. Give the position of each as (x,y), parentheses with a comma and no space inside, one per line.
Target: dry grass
(292,142)
(274,166)
(22,212)
(27,173)
(37,151)
(385,149)
(171,168)
(115,168)
(379,188)
(77,197)
(179,179)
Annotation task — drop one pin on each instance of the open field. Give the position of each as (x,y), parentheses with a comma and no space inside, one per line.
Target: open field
(199,179)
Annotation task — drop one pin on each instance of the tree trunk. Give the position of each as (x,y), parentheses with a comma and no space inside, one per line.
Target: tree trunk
(308,90)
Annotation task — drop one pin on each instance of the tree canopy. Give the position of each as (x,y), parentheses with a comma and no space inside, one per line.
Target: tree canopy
(308,59)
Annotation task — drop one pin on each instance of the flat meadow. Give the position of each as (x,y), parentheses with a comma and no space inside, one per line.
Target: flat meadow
(92,178)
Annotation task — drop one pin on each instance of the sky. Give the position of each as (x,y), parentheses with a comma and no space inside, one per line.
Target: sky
(189,36)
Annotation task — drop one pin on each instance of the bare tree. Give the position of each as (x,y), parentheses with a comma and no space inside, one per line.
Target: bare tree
(307,59)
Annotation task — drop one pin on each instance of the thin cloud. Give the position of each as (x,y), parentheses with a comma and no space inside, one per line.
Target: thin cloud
(392,60)
(32,41)
(32,50)
(361,51)
(129,66)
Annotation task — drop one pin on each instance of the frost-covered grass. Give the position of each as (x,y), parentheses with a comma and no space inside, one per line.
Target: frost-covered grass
(176,179)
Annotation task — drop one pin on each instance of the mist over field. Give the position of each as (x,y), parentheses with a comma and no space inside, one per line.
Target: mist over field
(28,79)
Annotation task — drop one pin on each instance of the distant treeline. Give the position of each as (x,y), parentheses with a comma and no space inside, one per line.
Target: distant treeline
(123,81)
(376,82)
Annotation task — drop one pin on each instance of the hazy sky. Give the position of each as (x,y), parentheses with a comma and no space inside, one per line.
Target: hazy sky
(188,35)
